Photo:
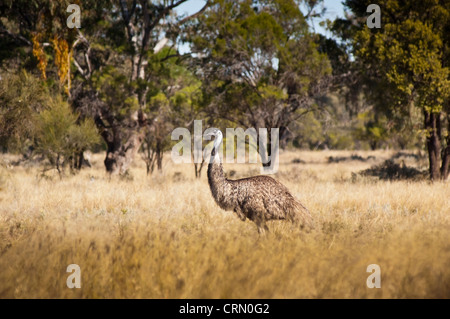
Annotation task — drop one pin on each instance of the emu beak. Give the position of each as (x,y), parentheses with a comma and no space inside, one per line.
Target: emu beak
(209,134)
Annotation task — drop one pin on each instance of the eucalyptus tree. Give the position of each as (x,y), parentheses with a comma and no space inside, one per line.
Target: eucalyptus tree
(405,66)
(259,63)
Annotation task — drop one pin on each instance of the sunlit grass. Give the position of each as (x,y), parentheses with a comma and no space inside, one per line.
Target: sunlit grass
(164,237)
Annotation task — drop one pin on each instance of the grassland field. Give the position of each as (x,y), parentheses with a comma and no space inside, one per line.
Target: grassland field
(163,236)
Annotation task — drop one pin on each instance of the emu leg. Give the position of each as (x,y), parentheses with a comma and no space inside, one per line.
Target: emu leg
(240,214)
(261,223)
(262,228)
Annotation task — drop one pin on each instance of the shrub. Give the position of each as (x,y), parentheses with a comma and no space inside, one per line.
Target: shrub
(60,135)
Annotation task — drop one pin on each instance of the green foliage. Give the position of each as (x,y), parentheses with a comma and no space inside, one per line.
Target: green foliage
(339,141)
(254,64)
(309,135)
(116,91)
(406,63)
(83,135)
(30,116)
(174,91)
(409,55)
(372,129)
(173,100)
(259,63)
(21,97)
(406,58)
(58,135)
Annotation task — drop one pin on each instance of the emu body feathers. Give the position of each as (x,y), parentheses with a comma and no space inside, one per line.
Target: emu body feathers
(258,198)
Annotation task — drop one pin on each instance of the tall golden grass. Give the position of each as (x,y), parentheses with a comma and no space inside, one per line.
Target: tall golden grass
(163,236)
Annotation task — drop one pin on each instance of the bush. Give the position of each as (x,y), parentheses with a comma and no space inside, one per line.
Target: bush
(60,135)
(21,97)
(393,171)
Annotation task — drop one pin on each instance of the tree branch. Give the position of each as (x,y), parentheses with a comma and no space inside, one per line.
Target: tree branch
(81,39)
(16,37)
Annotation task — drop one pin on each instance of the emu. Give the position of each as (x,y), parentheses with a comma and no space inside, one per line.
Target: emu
(258,198)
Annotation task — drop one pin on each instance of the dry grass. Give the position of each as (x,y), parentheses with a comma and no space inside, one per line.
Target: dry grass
(164,237)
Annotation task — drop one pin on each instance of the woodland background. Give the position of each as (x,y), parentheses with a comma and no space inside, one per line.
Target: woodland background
(86,175)
(120,85)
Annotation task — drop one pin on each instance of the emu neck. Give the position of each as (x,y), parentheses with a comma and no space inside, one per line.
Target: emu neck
(218,184)
(216,176)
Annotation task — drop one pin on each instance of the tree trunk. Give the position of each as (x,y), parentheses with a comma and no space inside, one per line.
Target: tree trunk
(79,160)
(284,136)
(159,158)
(120,153)
(432,125)
(269,158)
(264,149)
(198,168)
(445,168)
(149,163)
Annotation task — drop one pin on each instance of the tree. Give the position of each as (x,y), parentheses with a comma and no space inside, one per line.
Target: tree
(134,34)
(173,100)
(21,97)
(102,67)
(32,118)
(259,63)
(60,136)
(406,62)
(39,40)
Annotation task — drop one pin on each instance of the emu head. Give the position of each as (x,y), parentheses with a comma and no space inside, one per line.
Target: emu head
(218,137)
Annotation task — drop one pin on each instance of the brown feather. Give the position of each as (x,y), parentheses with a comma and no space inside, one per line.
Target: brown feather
(259,198)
